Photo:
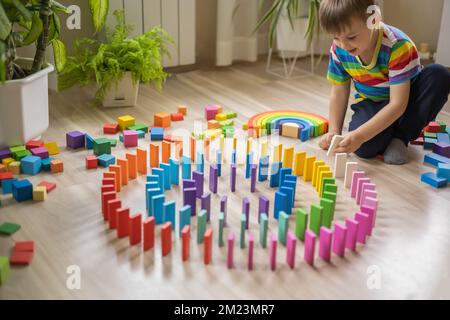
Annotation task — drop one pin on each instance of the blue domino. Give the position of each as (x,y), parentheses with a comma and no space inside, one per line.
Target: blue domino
(200,162)
(160,173)
(263,169)
(275,174)
(279,203)
(169,213)
(248,164)
(283,173)
(157,205)
(185,167)
(434,159)
(433,180)
(233,157)
(89,141)
(443,171)
(174,172)
(166,168)
(219,163)
(149,195)
(289,192)
(293,186)
(185,217)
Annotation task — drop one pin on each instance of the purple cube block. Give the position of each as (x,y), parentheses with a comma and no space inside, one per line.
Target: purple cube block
(130,138)
(75,140)
(40,152)
(5,153)
(442,148)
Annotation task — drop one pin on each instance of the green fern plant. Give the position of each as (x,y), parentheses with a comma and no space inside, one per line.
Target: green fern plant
(106,63)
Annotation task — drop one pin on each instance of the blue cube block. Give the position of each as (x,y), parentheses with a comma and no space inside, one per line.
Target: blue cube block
(7,185)
(46,166)
(105,160)
(89,142)
(433,180)
(141,134)
(443,171)
(22,190)
(31,165)
(157,134)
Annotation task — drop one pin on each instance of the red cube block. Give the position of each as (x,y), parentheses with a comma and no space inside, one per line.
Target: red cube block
(418,142)
(34,144)
(433,127)
(24,246)
(91,162)
(111,128)
(21,257)
(49,185)
(176,116)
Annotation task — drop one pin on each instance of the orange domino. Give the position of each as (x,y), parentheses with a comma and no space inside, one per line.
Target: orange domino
(208,245)
(135,229)
(113,206)
(123,222)
(149,233)
(166,238)
(132,165)
(141,161)
(206,143)
(185,235)
(107,196)
(192,143)
(118,170)
(112,175)
(165,152)
(124,166)
(154,155)
(178,150)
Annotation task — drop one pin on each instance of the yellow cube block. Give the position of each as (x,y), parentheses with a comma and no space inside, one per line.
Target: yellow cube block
(7,161)
(39,193)
(52,148)
(221,117)
(14,167)
(125,122)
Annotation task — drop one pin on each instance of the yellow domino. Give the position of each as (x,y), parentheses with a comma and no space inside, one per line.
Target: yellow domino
(323,175)
(316,165)
(320,169)
(309,163)
(299,164)
(264,149)
(234,142)
(249,145)
(277,152)
(288,157)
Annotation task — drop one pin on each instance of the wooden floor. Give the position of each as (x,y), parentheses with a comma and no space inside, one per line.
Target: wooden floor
(410,244)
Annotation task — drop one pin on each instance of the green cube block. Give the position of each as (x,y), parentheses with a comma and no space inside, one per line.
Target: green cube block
(138,127)
(328,212)
(231,115)
(9,228)
(263,226)
(201,226)
(330,195)
(283,227)
(301,223)
(315,220)
(242,232)
(102,146)
(221,226)
(17,149)
(4,270)
(431,135)
(19,155)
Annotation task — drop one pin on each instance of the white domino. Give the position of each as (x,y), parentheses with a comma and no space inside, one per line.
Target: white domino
(350,167)
(334,143)
(340,161)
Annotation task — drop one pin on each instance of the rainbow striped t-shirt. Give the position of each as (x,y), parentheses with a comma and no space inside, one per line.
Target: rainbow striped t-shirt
(395,61)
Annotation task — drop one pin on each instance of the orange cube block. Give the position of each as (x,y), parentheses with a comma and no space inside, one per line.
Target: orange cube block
(161,119)
(182,109)
(56,166)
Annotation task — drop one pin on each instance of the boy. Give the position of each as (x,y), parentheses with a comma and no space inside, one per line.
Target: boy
(395,96)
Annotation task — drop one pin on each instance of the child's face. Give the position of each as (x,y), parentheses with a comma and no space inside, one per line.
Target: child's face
(356,38)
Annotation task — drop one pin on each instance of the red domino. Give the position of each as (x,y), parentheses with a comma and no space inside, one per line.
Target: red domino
(433,127)
(113,206)
(166,238)
(208,246)
(177,117)
(106,196)
(123,222)
(135,229)
(185,235)
(251,243)
(111,128)
(149,233)
(109,182)
(24,246)
(107,189)
(21,257)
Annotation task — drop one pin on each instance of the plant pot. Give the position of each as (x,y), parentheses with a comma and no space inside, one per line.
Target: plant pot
(123,94)
(24,106)
(289,39)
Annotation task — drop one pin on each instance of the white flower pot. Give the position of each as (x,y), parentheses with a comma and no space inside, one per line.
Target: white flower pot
(289,39)
(123,94)
(24,107)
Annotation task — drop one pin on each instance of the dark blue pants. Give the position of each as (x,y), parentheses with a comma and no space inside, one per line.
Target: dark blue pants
(429,93)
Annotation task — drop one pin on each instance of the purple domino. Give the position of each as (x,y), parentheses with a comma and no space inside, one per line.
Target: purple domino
(263,206)
(310,245)
(253,178)
(40,152)
(352,232)
(340,233)
(198,177)
(190,199)
(246,211)
(223,208)
(363,229)
(5,153)
(75,140)
(325,243)
(442,149)
(233,178)
(213,177)
(206,205)
(290,252)
(187,184)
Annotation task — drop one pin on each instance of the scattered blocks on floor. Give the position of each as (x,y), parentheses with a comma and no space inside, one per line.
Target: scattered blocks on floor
(40,152)
(161,119)
(106,160)
(442,149)
(75,140)
(7,185)
(433,180)
(443,171)
(52,148)
(50,186)
(39,193)
(91,162)
(157,134)
(22,190)
(125,122)
(182,109)
(21,257)
(434,159)
(56,166)
(130,138)
(8,228)
(110,128)
(34,144)
(176,117)
(102,146)
(31,165)
(433,127)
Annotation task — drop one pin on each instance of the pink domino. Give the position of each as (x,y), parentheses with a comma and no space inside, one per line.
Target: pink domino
(273,252)
(290,252)
(359,185)
(355,177)
(363,230)
(371,212)
(352,232)
(310,246)
(250,251)
(325,243)
(230,245)
(368,194)
(364,186)
(340,234)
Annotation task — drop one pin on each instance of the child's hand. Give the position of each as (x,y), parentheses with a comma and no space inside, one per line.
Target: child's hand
(351,142)
(325,142)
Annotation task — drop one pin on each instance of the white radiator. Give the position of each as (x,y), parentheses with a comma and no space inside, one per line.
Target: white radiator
(177,17)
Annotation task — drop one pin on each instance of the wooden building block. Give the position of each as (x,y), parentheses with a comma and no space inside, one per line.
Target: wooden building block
(161,119)
(125,122)
(132,165)
(141,160)
(154,155)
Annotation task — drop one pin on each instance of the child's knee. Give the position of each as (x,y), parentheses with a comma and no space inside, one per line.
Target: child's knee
(440,76)
(366,152)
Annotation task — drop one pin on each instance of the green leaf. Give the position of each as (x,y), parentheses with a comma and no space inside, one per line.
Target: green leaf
(21,8)
(35,30)
(59,53)
(2,61)
(5,24)
(99,10)
(58,7)
(54,29)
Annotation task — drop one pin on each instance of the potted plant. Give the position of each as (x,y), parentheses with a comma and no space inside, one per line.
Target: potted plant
(117,65)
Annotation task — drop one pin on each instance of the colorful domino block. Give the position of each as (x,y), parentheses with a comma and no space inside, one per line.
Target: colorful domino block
(161,119)
(433,180)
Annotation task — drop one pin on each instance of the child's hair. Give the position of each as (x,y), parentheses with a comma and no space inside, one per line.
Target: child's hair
(335,15)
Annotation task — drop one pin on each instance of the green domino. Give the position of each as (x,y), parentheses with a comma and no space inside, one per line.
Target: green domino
(221,226)
(9,228)
(315,221)
(113,142)
(201,226)
(431,135)
(328,212)
(4,270)
(263,224)
(283,227)
(102,146)
(138,127)
(330,195)
(242,234)
(226,123)
(331,188)
(301,223)
(327,181)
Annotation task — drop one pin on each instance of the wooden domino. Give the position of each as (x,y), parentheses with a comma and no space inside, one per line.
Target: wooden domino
(334,144)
